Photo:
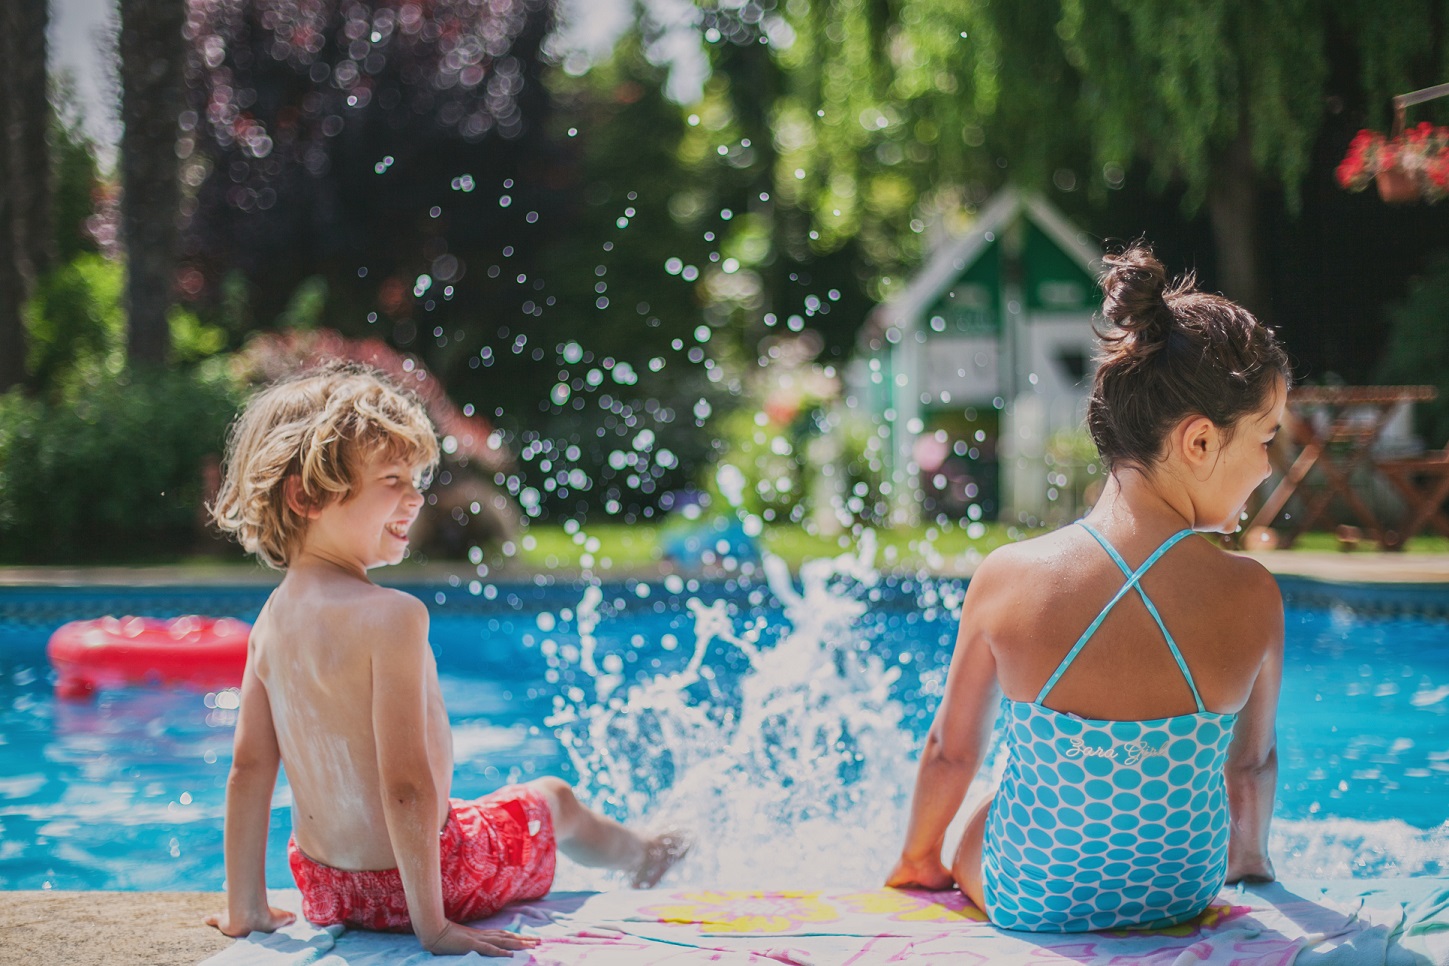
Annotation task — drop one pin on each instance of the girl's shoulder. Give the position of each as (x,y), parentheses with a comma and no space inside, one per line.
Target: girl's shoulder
(1058,557)
(1024,562)
(1250,578)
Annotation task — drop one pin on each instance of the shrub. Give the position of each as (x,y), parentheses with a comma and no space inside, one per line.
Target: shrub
(111,469)
(77,326)
(1418,350)
(76,320)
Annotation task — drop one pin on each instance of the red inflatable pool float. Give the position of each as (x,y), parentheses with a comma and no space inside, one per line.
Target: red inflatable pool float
(117,651)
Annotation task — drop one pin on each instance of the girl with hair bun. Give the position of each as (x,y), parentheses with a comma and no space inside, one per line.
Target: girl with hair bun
(1138,667)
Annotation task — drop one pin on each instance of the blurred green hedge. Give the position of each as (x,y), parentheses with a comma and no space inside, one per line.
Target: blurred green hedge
(110,468)
(1418,350)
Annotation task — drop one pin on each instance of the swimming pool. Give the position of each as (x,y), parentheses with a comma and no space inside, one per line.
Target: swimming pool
(778,723)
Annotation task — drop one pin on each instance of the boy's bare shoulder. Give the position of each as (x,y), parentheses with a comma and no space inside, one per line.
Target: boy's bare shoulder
(379,614)
(395,609)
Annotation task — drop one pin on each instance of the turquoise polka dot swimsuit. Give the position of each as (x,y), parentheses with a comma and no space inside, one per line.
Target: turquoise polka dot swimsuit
(1106,824)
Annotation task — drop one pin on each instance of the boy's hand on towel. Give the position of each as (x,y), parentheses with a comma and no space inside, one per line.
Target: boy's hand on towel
(236,927)
(928,873)
(456,940)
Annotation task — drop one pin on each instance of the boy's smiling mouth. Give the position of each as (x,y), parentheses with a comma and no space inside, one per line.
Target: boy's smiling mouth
(399,530)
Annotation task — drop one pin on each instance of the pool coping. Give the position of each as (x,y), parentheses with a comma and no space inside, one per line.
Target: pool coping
(1358,567)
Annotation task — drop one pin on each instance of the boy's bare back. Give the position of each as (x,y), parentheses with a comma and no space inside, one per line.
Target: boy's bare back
(325,647)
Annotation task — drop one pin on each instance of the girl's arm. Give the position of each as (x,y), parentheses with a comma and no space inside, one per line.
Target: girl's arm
(955,745)
(254,762)
(402,676)
(1252,768)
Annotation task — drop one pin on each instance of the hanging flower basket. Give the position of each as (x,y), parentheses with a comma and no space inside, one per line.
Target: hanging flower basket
(1407,167)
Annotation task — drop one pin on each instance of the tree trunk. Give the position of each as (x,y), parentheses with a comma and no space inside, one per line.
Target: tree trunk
(30,138)
(12,283)
(151,53)
(1233,212)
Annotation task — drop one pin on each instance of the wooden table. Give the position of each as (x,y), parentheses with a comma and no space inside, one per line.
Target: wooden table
(1355,419)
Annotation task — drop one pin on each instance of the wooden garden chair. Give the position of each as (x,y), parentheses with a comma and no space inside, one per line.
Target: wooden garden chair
(1354,418)
(1423,482)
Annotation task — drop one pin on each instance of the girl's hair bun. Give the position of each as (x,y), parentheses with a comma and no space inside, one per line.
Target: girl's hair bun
(1135,287)
(1169,351)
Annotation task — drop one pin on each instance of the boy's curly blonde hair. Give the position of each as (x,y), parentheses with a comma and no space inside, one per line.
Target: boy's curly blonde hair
(321,426)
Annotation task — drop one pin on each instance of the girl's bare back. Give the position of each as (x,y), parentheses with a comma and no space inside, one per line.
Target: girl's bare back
(1222,611)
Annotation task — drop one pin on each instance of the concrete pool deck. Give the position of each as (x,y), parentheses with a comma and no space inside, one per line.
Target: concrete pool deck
(108,928)
(166,928)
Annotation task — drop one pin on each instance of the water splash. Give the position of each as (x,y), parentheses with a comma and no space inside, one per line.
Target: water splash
(797,770)
(1345,848)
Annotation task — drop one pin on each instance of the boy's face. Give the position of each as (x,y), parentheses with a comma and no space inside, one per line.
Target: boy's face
(370,527)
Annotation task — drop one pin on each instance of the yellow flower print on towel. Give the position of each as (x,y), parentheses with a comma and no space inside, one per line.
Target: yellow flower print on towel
(1217,913)
(746,912)
(902,905)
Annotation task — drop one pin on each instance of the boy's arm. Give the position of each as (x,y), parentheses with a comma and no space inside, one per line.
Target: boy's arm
(955,746)
(255,757)
(1252,768)
(402,678)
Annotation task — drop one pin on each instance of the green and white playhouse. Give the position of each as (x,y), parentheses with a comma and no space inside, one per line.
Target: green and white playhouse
(980,368)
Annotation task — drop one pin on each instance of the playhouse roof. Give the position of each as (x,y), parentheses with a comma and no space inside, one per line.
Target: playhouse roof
(952,259)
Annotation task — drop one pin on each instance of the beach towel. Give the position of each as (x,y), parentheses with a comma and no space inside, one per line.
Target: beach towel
(1389,922)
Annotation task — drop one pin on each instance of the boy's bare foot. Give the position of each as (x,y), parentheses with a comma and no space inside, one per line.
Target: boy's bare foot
(660,854)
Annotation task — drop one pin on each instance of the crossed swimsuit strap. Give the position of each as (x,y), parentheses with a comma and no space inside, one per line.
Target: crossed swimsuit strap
(1134,578)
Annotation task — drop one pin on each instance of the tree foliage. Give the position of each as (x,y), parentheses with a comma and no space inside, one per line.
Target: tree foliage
(1418,350)
(403,170)
(889,116)
(76,177)
(366,144)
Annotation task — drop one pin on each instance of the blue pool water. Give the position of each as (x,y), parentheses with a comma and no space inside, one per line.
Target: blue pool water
(782,731)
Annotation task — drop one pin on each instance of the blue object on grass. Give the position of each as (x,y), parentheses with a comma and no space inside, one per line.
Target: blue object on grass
(707,542)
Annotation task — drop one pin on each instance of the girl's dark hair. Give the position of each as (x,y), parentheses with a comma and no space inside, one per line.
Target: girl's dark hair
(1168,352)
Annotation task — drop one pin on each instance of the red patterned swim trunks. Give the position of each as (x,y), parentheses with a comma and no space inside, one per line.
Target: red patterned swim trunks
(496,850)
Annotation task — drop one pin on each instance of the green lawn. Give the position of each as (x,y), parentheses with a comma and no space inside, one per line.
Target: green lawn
(636,546)
(1432,543)
(629,546)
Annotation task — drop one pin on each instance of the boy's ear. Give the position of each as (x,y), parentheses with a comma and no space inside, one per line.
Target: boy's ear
(296,502)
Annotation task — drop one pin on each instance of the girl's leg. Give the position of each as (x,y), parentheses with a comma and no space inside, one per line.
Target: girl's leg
(966,867)
(593,839)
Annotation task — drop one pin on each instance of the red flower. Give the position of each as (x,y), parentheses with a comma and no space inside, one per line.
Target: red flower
(1438,173)
(1421,153)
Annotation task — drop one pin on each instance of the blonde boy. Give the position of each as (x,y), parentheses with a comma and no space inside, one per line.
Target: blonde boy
(322,480)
